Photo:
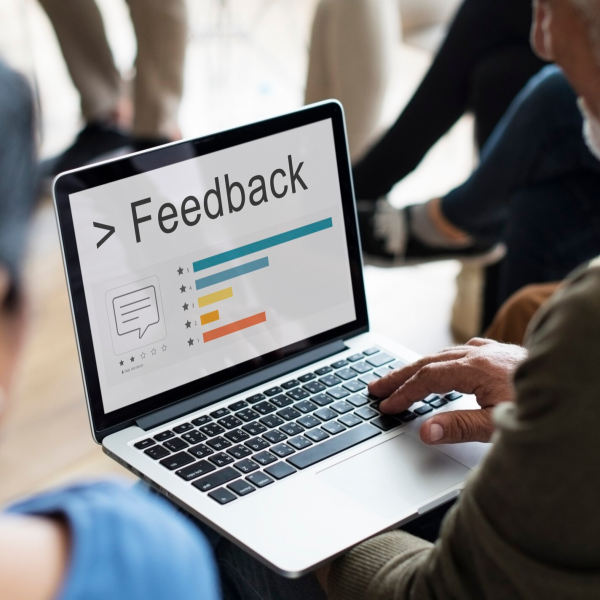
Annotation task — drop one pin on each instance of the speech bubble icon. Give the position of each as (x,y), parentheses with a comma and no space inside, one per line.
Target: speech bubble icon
(136,311)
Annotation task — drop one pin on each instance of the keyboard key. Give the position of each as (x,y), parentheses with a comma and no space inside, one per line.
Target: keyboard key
(380,359)
(385,422)
(222,496)
(382,372)
(157,452)
(423,410)
(241,487)
(164,435)
(280,470)
(361,367)
(282,450)
(281,401)
(145,443)
(330,380)
(306,377)
(175,461)
(371,351)
(368,378)
(271,421)
(221,459)
(291,429)
(333,427)
(308,421)
(314,387)
(273,391)
(342,407)
(237,406)
(357,400)
(264,408)
(256,398)
(325,414)
(259,479)
(264,458)
(289,413)
(247,415)
(452,396)
(435,404)
(212,429)
(201,420)
(257,444)
(431,398)
(183,428)
(246,466)
(338,392)
(350,420)
(196,470)
(345,374)
(298,394)
(366,413)
(200,451)
(323,371)
(193,437)
(317,435)
(331,447)
(288,385)
(239,451)
(254,428)
(275,436)
(370,397)
(354,386)
(355,358)
(237,435)
(217,414)
(216,479)
(338,364)
(397,364)
(176,444)
(229,422)
(219,443)
(406,416)
(322,399)
(305,407)
(299,442)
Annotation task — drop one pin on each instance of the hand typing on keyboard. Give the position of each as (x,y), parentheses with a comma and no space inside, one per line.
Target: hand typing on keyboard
(481,367)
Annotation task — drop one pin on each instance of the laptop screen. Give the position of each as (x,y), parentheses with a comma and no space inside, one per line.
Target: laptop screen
(214,261)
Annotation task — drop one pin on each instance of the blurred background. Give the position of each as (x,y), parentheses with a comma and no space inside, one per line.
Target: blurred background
(246,60)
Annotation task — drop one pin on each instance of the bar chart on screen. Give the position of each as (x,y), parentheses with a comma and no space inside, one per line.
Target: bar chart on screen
(213,282)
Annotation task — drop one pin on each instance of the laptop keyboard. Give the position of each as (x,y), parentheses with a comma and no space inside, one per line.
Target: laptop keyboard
(234,451)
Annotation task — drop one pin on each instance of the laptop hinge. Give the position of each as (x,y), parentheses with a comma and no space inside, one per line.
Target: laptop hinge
(169,413)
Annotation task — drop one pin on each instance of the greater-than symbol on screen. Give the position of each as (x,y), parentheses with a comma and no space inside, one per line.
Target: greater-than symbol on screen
(108,228)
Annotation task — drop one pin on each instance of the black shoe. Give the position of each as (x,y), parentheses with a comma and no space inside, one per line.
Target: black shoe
(387,241)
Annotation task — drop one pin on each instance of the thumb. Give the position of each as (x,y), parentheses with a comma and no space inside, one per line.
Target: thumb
(459,426)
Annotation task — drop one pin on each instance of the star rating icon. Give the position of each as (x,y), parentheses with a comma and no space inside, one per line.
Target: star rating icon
(186,306)
(132,359)
(182,288)
(153,351)
(180,271)
(143,355)
(164,348)
(188,324)
(190,342)
(121,363)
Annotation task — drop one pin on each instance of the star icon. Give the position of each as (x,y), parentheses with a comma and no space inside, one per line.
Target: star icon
(188,324)
(164,347)
(190,342)
(153,351)
(186,306)
(182,288)
(132,359)
(121,363)
(143,355)
(180,271)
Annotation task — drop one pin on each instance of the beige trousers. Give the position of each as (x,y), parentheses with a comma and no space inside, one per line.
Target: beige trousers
(350,60)
(161,32)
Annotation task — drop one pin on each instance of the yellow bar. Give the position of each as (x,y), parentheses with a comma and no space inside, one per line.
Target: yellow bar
(215,297)
(210,317)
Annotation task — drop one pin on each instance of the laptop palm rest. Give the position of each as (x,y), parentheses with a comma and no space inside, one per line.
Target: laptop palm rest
(396,475)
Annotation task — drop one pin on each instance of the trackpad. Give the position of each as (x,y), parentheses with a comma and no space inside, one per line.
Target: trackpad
(396,475)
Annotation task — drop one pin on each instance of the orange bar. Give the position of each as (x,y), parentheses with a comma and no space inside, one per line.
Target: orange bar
(220,332)
(210,317)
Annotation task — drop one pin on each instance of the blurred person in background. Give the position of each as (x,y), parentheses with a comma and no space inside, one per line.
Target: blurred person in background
(94,541)
(113,119)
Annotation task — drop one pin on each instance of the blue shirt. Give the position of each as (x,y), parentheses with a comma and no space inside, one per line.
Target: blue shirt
(127,544)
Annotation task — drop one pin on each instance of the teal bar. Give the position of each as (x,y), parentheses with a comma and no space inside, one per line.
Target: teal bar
(255,265)
(275,240)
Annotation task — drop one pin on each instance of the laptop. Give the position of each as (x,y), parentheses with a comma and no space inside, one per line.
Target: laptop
(218,300)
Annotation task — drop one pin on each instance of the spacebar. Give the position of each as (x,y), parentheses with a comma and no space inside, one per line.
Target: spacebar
(337,444)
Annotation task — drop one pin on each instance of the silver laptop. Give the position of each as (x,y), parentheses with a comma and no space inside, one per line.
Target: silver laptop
(218,300)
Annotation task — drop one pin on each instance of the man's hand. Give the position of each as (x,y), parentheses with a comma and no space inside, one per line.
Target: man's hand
(481,367)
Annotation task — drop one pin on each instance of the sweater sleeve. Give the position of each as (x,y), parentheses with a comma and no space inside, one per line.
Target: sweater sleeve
(527,524)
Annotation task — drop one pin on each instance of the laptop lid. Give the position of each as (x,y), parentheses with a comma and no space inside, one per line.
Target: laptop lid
(207,260)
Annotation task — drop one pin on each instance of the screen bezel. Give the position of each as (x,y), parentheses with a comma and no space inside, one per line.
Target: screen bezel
(108,172)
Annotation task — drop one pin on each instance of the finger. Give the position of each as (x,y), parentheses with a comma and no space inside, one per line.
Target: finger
(458,426)
(477,341)
(435,378)
(388,384)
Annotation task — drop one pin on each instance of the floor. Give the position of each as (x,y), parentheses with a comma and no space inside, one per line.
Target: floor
(260,47)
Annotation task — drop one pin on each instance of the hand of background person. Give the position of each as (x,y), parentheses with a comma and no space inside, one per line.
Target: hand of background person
(481,367)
